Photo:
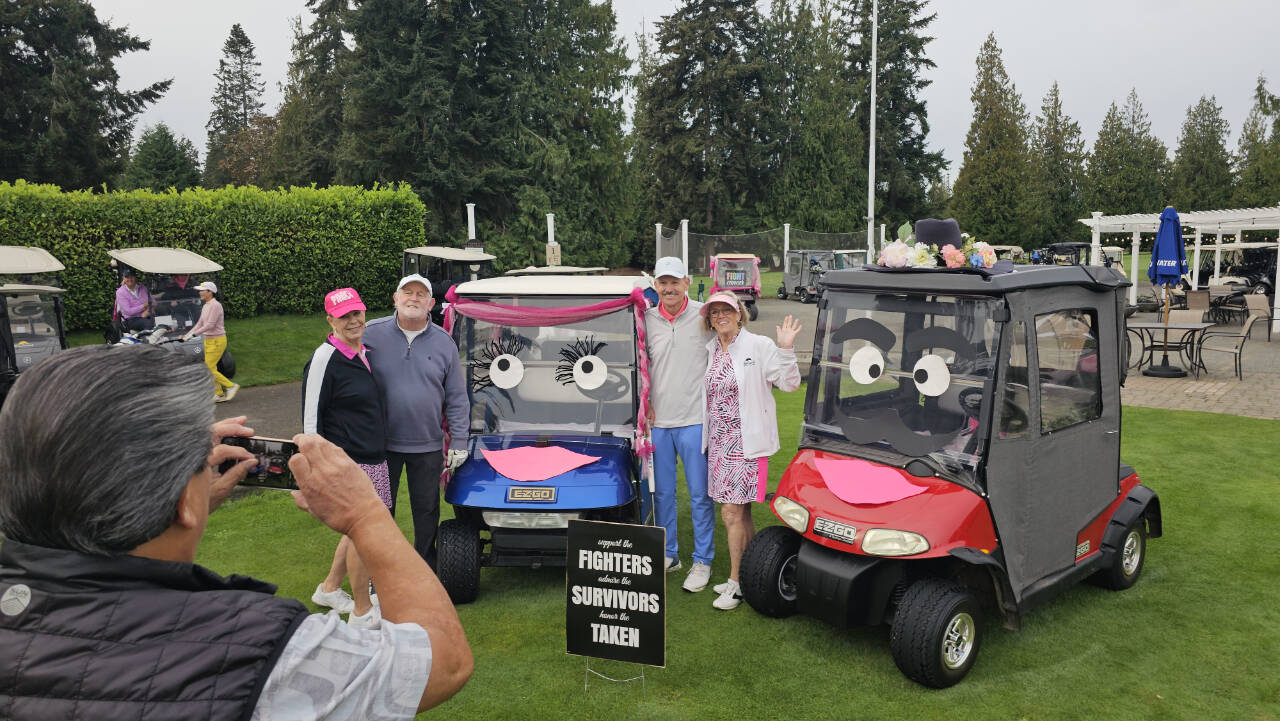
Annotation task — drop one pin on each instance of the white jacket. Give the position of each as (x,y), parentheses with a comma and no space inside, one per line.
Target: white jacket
(757,363)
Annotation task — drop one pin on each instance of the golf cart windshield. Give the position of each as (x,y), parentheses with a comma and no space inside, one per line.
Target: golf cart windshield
(177,302)
(577,377)
(825,261)
(33,324)
(907,373)
(850,259)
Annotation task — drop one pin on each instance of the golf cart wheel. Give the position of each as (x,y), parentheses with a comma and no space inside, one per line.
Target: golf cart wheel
(1126,566)
(782,293)
(752,311)
(769,571)
(802,294)
(227,365)
(458,560)
(936,632)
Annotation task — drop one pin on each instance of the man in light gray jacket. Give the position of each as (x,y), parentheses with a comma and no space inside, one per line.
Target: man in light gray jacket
(677,344)
(423,384)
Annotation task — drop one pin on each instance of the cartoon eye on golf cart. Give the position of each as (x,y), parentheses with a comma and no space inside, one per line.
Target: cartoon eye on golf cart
(738,273)
(960,453)
(170,276)
(31,327)
(445,268)
(554,381)
(802,273)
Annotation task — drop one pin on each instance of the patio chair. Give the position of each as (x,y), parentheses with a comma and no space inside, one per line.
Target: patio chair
(1257,305)
(1231,343)
(1199,300)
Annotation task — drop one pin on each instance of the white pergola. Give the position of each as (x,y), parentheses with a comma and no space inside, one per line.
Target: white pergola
(1202,222)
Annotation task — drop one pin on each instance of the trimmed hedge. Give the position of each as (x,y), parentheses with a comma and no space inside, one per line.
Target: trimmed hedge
(281,250)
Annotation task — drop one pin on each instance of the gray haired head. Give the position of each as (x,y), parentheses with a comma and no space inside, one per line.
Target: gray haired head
(97,444)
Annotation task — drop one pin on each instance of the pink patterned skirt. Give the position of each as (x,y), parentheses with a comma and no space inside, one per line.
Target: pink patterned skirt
(731,478)
(381,477)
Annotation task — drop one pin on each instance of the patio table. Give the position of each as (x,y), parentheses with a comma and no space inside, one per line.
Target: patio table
(1146,332)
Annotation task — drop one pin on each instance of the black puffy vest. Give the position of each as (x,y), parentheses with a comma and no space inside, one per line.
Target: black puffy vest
(133,638)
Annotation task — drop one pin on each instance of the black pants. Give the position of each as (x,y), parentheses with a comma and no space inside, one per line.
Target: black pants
(423,478)
(139,323)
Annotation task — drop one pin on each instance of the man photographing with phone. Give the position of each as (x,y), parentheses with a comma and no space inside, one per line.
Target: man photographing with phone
(107,478)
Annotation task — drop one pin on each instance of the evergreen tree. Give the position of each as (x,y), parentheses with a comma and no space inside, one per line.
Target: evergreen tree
(821,157)
(1128,165)
(237,100)
(989,197)
(904,166)
(698,119)
(1201,176)
(162,161)
(63,117)
(310,117)
(1257,160)
(1056,183)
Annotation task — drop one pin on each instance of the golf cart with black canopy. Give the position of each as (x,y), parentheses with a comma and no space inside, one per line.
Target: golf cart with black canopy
(802,273)
(960,453)
(1072,253)
(31,326)
(445,267)
(170,276)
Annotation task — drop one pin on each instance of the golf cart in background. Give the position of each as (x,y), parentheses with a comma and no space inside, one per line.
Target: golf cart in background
(1113,255)
(851,259)
(170,276)
(1013,253)
(445,267)
(738,273)
(554,413)
(960,454)
(1069,253)
(802,273)
(31,325)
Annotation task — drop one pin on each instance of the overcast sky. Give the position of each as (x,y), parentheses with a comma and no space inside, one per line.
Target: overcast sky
(1171,51)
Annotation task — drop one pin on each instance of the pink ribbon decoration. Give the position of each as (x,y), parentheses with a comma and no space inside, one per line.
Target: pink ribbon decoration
(531,463)
(527,317)
(863,483)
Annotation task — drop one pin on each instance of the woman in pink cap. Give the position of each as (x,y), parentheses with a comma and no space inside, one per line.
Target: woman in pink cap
(341,401)
(740,428)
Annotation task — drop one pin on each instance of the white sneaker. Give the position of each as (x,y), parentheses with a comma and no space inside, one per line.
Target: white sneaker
(231,392)
(672,564)
(730,598)
(699,576)
(336,599)
(720,588)
(372,619)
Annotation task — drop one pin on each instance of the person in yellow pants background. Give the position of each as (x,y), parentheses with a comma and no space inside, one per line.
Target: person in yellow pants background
(212,327)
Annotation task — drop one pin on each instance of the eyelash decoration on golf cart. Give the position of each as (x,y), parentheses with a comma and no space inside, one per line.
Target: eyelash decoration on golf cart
(581,364)
(498,365)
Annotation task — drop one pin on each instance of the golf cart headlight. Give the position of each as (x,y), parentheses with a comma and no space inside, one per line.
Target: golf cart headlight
(888,542)
(537,521)
(793,514)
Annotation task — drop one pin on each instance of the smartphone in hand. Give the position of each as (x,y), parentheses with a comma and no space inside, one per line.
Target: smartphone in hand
(271,469)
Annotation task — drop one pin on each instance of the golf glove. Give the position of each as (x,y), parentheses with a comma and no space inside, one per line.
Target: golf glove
(455,458)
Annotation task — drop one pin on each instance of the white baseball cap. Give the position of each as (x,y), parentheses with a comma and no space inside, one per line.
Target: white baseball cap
(414,278)
(209,286)
(670,265)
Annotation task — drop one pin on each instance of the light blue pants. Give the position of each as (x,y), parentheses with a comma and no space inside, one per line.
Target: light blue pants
(686,443)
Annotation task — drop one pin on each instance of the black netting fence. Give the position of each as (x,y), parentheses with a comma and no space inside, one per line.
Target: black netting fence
(768,245)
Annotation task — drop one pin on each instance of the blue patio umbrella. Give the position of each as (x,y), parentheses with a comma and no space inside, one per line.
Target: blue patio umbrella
(1168,264)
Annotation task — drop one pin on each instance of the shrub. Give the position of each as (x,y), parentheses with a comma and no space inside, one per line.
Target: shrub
(281,250)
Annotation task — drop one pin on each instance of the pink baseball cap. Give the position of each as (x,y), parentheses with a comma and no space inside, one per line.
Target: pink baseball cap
(342,301)
(723,296)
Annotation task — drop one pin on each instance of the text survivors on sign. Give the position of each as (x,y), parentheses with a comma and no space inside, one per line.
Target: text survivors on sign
(616,592)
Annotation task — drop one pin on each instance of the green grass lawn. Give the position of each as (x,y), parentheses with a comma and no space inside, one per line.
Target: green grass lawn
(1197,638)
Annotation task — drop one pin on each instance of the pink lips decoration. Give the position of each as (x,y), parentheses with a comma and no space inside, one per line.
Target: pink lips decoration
(531,463)
(863,483)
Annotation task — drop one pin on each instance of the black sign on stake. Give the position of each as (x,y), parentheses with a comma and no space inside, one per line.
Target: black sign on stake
(616,592)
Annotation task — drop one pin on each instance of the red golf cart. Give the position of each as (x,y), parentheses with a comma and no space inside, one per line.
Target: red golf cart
(960,455)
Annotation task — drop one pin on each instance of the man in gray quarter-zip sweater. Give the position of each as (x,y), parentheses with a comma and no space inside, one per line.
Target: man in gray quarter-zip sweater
(423,385)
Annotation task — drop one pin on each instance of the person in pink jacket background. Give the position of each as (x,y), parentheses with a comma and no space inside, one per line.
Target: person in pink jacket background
(212,327)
